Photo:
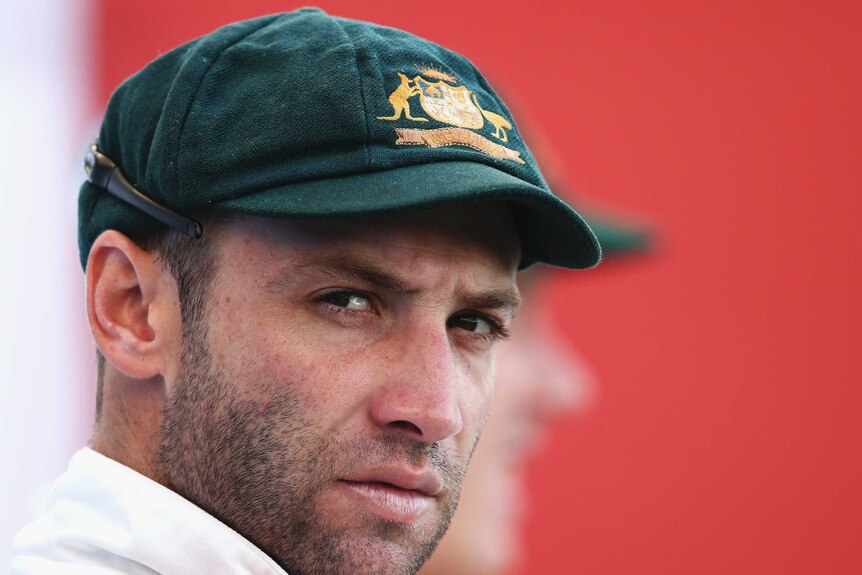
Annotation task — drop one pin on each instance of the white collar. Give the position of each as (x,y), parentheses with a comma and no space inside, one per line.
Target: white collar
(101,510)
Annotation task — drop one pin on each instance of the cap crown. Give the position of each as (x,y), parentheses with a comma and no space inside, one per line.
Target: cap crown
(272,116)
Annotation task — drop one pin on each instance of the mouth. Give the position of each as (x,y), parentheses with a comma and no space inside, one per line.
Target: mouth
(398,495)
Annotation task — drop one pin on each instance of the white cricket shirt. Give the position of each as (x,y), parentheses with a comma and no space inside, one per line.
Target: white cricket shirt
(104,518)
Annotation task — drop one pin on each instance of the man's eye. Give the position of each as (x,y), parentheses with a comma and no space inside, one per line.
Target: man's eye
(348,300)
(474,324)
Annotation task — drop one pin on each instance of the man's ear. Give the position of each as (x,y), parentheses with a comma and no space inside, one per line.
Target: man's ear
(132,306)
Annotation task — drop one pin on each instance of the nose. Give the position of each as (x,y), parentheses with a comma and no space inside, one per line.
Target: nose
(420,395)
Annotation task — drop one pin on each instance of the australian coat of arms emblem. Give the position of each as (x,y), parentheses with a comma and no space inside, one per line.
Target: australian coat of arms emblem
(444,101)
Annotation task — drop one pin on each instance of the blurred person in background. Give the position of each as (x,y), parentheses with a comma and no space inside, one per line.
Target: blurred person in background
(538,379)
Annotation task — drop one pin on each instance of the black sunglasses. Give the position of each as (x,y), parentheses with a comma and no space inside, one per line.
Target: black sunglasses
(104,173)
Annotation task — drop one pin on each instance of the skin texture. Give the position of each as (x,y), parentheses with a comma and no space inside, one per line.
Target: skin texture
(537,380)
(326,402)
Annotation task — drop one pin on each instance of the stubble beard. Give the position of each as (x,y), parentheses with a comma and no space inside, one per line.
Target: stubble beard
(259,468)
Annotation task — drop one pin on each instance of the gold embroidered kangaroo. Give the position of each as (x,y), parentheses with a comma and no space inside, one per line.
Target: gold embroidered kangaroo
(399,100)
(500,123)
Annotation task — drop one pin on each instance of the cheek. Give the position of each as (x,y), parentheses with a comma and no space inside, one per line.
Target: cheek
(330,385)
(476,400)
(482,375)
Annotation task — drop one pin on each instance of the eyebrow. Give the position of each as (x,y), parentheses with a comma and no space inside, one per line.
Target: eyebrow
(506,300)
(341,266)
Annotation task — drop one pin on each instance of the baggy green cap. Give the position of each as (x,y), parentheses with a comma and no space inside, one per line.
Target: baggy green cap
(306,115)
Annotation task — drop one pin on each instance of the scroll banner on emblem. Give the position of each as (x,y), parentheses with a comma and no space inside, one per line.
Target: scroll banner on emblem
(456,137)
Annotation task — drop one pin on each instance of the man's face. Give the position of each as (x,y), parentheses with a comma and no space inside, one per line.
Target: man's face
(329,401)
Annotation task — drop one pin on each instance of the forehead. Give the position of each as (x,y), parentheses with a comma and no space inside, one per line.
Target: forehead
(470,239)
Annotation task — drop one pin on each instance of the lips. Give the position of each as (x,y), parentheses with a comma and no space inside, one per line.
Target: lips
(398,494)
(424,481)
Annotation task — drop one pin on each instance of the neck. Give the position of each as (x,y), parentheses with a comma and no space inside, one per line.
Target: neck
(127,429)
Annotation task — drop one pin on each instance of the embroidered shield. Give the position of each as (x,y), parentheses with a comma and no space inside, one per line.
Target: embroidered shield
(449,104)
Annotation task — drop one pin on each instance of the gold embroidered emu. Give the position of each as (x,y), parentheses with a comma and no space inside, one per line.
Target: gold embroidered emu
(399,100)
(500,123)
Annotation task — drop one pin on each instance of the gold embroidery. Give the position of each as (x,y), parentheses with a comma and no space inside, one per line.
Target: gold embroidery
(455,137)
(399,99)
(454,105)
(448,104)
(499,122)
(437,74)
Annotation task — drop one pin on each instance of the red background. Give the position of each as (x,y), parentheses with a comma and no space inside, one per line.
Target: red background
(726,436)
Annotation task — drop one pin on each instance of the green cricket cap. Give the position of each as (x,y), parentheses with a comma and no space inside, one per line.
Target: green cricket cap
(305,115)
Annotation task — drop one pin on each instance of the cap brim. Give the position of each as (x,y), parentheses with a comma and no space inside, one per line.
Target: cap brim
(551,231)
(616,236)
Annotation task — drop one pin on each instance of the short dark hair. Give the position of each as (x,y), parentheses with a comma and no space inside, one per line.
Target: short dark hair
(192,263)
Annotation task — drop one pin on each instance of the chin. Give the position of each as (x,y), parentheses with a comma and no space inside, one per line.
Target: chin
(360,556)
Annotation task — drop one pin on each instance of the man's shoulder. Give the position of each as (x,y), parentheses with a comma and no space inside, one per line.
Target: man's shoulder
(64,539)
(103,518)
(59,561)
